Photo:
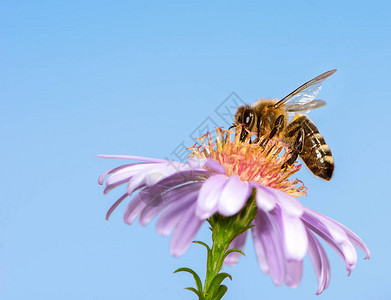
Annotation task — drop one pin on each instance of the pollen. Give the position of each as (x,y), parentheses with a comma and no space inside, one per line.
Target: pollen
(260,160)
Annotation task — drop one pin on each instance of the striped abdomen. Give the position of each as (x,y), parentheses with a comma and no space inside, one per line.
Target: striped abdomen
(316,153)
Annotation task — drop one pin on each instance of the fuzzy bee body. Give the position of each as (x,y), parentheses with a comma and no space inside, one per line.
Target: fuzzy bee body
(316,153)
(269,118)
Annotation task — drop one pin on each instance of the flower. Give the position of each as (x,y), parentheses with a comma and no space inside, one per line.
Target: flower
(219,178)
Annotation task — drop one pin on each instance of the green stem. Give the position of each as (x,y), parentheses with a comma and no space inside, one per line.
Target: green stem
(224,231)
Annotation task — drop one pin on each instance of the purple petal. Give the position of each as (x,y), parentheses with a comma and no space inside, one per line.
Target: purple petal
(320,262)
(152,198)
(260,251)
(266,199)
(148,213)
(336,232)
(356,241)
(215,166)
(176,179)
(294,273)
(125,175)
(133,209)
(237,243)
(174,213)
(131,157)
(149,174)
(113,170)
(196,163)
(290,205)
(233,196)
(333,234)
(320,231)
(350,255)
(160,171)
(134,183)
(109,187)
(115,205)
(185,232)
(209,196)
(177,194)
(267,242)
(117,177)
(292,233)
(152,195)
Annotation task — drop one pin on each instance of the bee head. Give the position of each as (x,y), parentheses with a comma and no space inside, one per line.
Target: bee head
(245,116)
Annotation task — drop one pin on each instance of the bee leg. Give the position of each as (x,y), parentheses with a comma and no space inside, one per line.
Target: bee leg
(277,126)
(243,134)
(297,149)
(275,130)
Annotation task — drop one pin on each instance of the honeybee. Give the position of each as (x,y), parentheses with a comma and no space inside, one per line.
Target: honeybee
(268,118)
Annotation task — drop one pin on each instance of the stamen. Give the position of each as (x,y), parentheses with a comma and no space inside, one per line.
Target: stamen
(260,160)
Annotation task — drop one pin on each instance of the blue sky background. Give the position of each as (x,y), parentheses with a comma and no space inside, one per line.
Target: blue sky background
(80,78)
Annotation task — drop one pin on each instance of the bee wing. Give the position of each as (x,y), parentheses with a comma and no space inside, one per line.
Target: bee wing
(305,93)
(304,107)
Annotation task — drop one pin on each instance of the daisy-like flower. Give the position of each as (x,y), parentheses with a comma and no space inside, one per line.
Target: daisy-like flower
(245,186)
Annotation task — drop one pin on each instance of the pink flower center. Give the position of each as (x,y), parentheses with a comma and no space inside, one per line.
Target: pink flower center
(249,160)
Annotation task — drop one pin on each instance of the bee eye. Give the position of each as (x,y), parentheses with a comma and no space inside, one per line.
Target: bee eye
(248,117)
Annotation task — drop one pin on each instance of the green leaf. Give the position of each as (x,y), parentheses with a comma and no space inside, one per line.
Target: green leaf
(233,250)
(242,230)
(221,292)
(215,285)
(196,277)
(203,244)
(199,294)
(210,222)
